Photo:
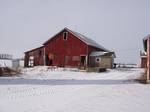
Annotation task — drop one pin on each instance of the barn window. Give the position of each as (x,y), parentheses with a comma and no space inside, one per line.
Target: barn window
(65,35)
(97,59)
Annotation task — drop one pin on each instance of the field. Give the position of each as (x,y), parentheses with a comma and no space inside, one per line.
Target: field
(69,90)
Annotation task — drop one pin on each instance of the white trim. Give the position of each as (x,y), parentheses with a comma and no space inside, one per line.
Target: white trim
(143,56)
(86,60)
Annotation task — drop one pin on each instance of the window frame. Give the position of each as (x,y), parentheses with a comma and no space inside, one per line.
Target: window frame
(65,36)
(97,59)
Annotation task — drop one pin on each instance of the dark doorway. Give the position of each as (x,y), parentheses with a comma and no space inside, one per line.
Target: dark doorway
(83,60)
(48,62)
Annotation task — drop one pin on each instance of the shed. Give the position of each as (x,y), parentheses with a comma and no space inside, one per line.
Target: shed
(102,59)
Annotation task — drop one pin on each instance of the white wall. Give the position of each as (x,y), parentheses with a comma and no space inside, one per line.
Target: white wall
(4,63)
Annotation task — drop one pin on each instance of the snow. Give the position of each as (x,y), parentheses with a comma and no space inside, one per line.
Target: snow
(97,53)
(4,63)
(41,89)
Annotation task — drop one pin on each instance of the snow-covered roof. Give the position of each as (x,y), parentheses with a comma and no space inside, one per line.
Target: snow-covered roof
(97,53)
(35,49)
(100,53)
(83,38)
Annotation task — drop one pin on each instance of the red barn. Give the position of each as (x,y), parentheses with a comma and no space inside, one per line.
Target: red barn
(66,48)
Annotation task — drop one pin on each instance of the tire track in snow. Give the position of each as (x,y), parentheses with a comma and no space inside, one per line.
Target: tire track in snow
(25,92)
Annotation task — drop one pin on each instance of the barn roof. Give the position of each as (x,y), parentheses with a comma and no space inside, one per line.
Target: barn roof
(83,38)
(35,49)
(89,41)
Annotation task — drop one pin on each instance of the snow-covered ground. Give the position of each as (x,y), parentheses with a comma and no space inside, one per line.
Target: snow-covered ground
(4,63)
(61,90)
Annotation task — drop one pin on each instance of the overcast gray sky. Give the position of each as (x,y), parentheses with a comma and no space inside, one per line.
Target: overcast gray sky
(118,25)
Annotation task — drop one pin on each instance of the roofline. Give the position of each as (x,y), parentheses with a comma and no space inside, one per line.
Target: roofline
(112,52)
(54,36)
(60,32)
(75,36)
(34,49)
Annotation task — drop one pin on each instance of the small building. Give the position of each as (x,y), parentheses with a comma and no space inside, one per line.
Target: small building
(67,48)
(102,59)
(145,57)
(34,57)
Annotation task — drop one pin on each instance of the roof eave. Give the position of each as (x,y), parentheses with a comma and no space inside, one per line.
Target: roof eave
(34,49)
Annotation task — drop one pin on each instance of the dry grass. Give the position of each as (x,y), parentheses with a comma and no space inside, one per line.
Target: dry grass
(6,71)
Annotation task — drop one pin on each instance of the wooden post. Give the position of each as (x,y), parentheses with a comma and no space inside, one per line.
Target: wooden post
(148,60)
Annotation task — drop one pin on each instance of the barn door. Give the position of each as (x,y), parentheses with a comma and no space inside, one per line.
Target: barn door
(49,60)
(83,61)
(66,60)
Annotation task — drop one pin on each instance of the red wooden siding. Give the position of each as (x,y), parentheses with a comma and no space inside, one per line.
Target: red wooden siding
(69,48)
(143,62)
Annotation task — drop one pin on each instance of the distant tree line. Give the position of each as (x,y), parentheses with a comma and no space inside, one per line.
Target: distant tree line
(6,56)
